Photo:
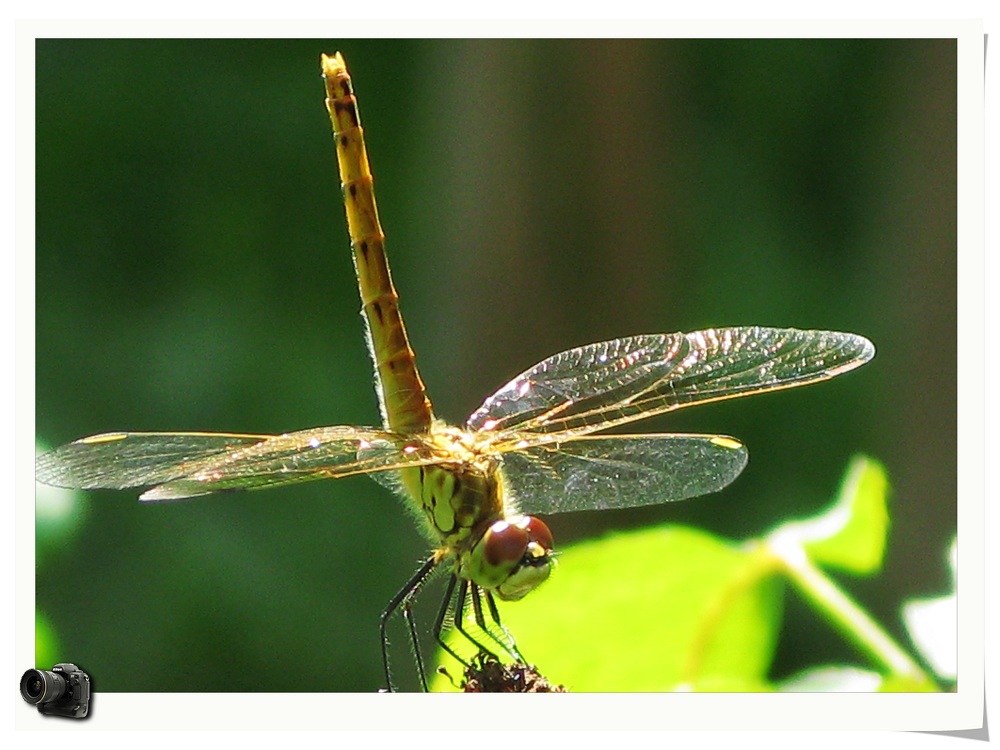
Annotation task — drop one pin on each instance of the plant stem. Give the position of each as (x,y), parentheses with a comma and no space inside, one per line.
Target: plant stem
(853,621)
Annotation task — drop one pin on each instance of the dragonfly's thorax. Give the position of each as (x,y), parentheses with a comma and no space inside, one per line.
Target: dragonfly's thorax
(462,494)
(462,498)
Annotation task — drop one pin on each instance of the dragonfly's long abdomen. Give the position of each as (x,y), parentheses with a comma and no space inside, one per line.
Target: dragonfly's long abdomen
(402,397)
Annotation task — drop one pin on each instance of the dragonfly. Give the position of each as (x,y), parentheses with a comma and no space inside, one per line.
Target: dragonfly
(537,446)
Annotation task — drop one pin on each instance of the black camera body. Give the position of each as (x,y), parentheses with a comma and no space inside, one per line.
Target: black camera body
(62,691)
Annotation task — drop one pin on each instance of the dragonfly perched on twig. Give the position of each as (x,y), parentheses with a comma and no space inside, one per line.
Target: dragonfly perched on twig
(533,447)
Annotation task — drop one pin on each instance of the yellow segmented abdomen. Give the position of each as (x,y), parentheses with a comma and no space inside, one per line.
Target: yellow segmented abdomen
(402,397)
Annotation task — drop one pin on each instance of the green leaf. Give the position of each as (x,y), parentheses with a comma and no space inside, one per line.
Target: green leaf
(651,610)
(852,534)
(907,684)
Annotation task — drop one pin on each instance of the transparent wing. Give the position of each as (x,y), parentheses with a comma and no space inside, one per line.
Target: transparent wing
(598,472)
(186,464)
(614,382)
(120,460)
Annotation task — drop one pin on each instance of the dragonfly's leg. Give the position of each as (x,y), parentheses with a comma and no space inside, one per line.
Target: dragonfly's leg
(414,641)
(504,639)
(458,616)
(466,591)
(443,615)
(510,645)
(403,598)
(473,592)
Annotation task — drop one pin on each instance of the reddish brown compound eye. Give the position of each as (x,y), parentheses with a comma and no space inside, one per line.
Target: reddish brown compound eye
(505,544)
(539,532)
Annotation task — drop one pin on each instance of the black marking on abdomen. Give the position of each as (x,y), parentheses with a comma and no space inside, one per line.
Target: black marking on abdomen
(348,107)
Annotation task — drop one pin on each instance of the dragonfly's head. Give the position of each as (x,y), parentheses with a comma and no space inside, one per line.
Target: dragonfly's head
(513,557)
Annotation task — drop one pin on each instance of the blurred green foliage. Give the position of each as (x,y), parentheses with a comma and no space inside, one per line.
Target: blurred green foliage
(193,272)
(675,608)
(633,611)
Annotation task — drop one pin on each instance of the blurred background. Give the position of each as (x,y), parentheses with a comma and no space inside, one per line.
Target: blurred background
(194,273)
